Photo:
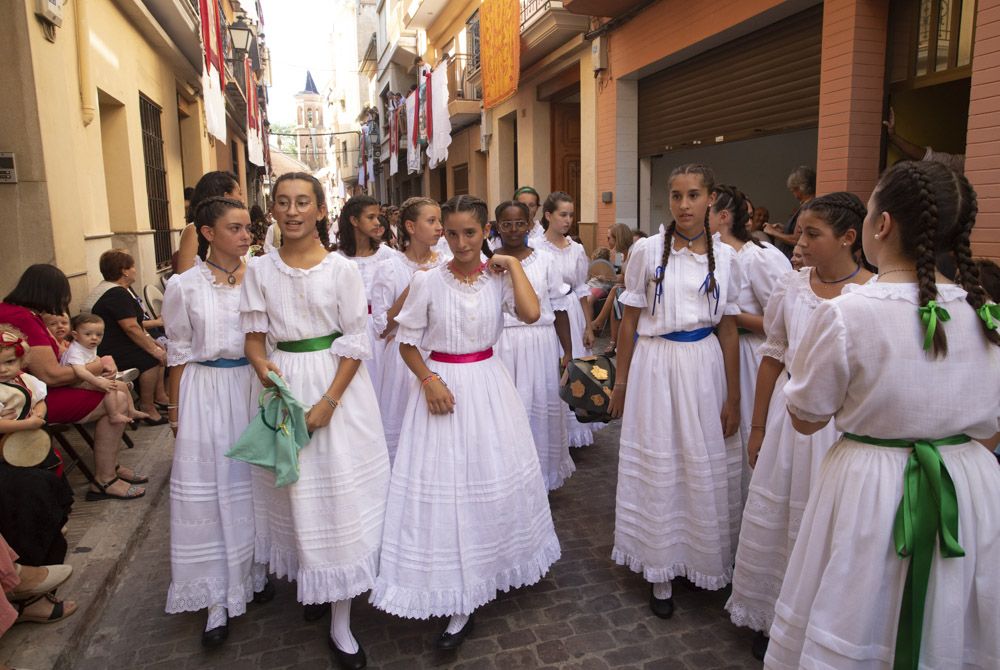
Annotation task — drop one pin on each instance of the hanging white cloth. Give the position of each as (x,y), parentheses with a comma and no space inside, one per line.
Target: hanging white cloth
(393,138)
(440,137)
(412,148)
(215,103)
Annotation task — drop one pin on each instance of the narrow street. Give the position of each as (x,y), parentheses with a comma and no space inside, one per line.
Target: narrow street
(587,614)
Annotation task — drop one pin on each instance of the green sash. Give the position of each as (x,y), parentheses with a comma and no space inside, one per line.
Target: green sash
(312,344)
(929,508)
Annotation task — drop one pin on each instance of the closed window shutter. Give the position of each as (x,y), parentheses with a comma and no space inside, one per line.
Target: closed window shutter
(763,83)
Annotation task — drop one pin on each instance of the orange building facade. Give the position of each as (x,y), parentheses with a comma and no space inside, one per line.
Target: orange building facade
(754,88)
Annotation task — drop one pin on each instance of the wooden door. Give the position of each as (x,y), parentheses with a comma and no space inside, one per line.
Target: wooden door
(566,149)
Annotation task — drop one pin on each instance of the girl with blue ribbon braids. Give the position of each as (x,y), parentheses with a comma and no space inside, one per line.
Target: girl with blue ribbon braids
(680,467)
(892,566)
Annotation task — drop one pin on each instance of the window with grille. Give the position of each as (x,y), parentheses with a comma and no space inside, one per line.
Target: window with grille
(472,27)
(460,175)
(156,178)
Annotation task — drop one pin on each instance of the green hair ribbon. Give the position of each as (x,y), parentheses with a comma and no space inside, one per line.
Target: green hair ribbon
(990,314)
(930,314)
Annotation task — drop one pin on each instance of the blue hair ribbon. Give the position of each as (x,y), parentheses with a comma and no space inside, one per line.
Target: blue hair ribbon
(658,293)
(709,291)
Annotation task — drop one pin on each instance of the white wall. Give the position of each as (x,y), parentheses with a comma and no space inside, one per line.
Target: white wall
(758,167)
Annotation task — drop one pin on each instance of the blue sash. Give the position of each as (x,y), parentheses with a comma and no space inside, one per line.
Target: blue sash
(689,335)
(225,363)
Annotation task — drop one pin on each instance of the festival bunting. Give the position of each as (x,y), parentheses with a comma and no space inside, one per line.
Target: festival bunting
(213,75)
(500,49)
(255,140)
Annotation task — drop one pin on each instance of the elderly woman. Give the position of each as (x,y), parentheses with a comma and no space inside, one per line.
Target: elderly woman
(125,338)
(801,183)
(44,289)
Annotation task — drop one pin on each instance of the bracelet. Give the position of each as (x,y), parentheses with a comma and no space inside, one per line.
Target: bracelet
(172,406)
(621,384)
(429,378)
(173,424)
(333,403)
(757,426)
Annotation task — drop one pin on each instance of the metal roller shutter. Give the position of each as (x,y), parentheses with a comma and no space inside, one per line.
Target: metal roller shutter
(763,83)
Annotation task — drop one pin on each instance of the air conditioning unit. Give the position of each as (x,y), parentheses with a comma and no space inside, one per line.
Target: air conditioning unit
(50,11)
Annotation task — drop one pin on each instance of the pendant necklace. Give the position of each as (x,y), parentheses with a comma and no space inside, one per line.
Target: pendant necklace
(230,274)
(467,279)
(690,240)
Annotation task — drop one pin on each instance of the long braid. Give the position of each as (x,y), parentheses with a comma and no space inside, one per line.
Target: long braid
(668,240)
(968,269)
(926,239)
(710,245)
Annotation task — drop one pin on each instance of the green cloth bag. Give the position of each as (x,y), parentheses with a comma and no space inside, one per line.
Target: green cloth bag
(276,435)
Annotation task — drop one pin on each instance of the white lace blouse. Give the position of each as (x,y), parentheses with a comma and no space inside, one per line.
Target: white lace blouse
(861,360)
(369,266)
(201,317)
(443,314)
(391,279)
(572,263)
(543,273)
(292,304)
(760,270)
(684,304)
(786,315)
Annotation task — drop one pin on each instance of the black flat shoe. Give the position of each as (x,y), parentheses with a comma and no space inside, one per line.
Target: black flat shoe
(354,661)
(152,422)
(759,648)
(211,639)
(662,607)
(266,594)
(315,612)
(451,641)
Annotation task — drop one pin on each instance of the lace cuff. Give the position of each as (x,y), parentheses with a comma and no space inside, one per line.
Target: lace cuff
(560,304)
(581,291)
(632,299)
(380,321)
(254,322)
(806,416)
(773,349)
(178,353)
(356,345)
(412,336)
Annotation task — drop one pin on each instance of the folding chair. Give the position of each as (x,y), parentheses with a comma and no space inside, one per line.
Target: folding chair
(153,298)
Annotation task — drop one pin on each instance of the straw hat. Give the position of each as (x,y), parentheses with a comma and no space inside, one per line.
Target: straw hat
(26,448)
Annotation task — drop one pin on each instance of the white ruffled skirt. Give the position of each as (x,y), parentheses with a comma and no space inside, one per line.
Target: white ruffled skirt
(749,365)
(839,605)
(211,506)
(531,354)
(787,467)
(394,393)
(579,434)
(324,531)
(374,364)
(468,513)
(677,509)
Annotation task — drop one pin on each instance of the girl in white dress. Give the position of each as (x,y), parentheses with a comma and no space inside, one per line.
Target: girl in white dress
(324,531)
(467,514)
(678,394)
(572,261)
(211,505)
(359,238)
(419,232)
(896,562)
(533,202)
(531,352)
(786,462)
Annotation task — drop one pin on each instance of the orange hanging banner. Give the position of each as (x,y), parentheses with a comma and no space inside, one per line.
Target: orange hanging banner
(500,49)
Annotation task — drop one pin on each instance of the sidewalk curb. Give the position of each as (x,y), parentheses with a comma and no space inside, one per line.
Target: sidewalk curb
(98,560)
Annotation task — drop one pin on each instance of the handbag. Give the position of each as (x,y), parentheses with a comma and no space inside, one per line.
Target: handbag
(586,386)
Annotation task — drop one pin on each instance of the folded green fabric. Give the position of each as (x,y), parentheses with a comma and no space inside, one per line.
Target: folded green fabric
(275,436)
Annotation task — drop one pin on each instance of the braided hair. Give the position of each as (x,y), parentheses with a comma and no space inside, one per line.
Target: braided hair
(410,211)
(935,209)
(732,200)
(708,182)
(206,213)
(210,185)
(322,225)
(347,236)
(473,205)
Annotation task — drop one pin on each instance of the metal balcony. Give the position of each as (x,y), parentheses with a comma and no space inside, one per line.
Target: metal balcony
(546,25)
(607,8)
(464,91)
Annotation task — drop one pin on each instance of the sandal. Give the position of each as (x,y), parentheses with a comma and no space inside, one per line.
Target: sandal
(55,576)
(104,495)
(60,610)
(136,478)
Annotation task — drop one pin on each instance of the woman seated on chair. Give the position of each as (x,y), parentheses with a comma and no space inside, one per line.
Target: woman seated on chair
(125,338)
(44,289)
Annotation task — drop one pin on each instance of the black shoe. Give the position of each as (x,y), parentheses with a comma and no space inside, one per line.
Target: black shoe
(266,594)
(354,661)
(211,639)
(759,648)
(315,612)
(662,607)
(451,641)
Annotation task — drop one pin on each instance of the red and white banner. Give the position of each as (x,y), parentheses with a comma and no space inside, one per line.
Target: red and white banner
(213,78)
(255,139)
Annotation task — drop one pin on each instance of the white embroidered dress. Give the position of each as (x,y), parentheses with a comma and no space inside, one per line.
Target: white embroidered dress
(468,513)
(861,362)
(369,267)
(572,263)
(531,354)
(324,531)
(394,388)
(211,504)
(786,468)
(678,502)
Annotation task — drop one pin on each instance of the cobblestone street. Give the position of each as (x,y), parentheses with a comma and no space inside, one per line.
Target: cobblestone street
(587,614)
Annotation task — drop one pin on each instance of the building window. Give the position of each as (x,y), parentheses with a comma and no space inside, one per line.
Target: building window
(472,27)
(343,152)
(309,118)
(931,38)
(460,175)
(156,178)
(382,40)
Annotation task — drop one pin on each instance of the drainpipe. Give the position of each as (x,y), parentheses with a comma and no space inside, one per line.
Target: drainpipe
(88,106)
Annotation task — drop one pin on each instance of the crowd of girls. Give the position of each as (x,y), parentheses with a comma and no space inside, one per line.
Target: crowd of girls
(807,436)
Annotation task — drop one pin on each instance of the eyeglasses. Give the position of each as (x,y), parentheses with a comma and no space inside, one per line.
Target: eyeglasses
(284,205)
(507,226)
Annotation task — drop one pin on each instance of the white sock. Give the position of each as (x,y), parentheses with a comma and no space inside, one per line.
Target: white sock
(217,617)
(456,623)
(662,590)
(340,627)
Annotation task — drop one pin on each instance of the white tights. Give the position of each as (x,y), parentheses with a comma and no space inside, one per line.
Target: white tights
(662,590)
(217,617)
(340,627)
(456,623)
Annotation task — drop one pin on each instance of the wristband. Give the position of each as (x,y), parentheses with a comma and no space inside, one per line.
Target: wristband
(173,424)
(333,403)
(429,378)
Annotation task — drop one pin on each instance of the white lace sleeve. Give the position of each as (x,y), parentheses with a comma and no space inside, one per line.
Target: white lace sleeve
(775,332)
(352,315)
(253,306)
(636,275)
(820,371)
(412,318)
(177,323)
